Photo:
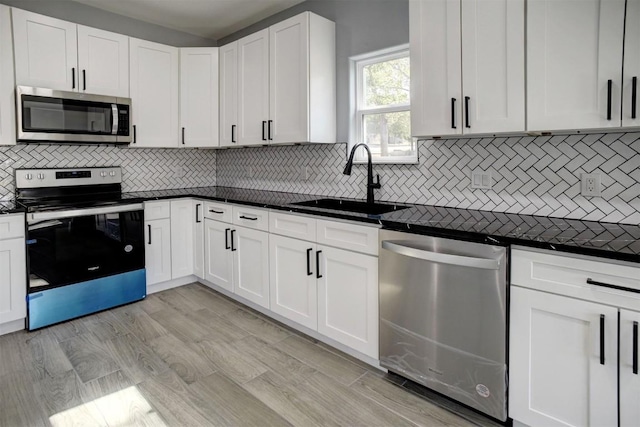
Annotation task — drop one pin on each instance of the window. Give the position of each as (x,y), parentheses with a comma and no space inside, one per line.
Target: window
(381,106)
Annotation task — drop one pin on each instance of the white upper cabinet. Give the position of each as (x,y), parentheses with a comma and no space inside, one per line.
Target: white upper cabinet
(154,93)
(55,54)
(46,51)
(281,89)
(631,76)
(7,81)
(253,88)
(467,66)
(199,97)
(103,62)
(574,60)
(229,94)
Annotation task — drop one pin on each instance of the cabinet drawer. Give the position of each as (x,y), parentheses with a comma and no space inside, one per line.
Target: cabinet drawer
(218,211)
(11,226)
(299,227)
(251,217)
(568,275)
(348,236)
(157,210)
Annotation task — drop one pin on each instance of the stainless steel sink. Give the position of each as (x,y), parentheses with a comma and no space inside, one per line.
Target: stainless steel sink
(351,206)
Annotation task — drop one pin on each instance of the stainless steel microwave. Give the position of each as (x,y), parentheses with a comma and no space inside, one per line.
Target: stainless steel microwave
(46,115)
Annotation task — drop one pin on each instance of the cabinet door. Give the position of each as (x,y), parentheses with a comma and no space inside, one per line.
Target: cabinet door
(629,380)
(218,257)
(570,62)
(103,62)
(198,240)
(493,66)
(631,103)
(348,298)
(436,92)
(251,265)
(289,80)
(555,375)
(182,223)
(253,88)
(199,96)
(46,51)
(293,287)
(154,93)
(7,80)
(229,94)
(158,250)
(13,276)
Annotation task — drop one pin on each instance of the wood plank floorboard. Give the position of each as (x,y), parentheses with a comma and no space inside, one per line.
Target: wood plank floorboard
(192,357)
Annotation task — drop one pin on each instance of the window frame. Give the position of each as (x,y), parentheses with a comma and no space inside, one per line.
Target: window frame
(359,111)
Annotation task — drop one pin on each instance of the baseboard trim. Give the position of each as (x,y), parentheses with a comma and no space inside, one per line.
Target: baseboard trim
(13,326)
(170,284)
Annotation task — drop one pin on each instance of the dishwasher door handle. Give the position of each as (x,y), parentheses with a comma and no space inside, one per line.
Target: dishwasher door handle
(401,248)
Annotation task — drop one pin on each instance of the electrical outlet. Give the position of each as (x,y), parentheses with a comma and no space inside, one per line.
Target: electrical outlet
(481,180)
(590,185)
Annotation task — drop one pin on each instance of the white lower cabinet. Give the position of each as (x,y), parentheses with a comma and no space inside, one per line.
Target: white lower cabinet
(13,274)
(218,258)
(348,298)
(198,239)
(251,265)
(572,341)
(294,288)
(158,250)
(182,225)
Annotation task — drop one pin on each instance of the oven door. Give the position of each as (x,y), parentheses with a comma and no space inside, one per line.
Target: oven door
(67,247)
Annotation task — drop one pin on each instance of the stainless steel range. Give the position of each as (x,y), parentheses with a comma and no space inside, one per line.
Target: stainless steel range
(85,246)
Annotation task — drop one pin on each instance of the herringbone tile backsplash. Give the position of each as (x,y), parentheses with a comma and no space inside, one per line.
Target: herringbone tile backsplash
(531,175)
(142,169)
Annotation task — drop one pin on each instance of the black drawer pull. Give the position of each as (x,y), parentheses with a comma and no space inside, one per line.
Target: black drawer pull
(149,225)
(134,134)
(602,339)
(607,285)
(269,131)
(309,272)
(264,130)
(609,90)
(182,136)
(215,211)
(318,275)
(634,97)
(248,217)
(233,133)
(466,112)
(233,248)
(84,80)
(73,78)
(226,238)
(198,213)
(635,348)
(453,113)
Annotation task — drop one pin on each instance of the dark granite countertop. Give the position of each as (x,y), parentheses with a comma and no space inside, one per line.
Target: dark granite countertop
(9,207)
(617,241)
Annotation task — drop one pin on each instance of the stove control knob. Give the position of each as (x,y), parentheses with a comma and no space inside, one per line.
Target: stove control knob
(112,173)
(103,174)
(40,176)
(28,176)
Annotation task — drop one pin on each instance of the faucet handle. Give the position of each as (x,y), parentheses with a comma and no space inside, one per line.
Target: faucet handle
(377,183)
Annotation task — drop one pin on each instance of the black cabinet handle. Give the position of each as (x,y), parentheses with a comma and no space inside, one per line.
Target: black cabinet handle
(453,113)
(248,217)
(607,285)
(197,211)
(233,248)
(226,238)
(466,112)
(309,272)
(634,97)
(215,211)
(609,89)
(264,124)
(182,136)
(233,133)
(318,275)
(269,131)
(602,339)
(134,134)
(635,348)
(84,80)
(73,77)
(149,225)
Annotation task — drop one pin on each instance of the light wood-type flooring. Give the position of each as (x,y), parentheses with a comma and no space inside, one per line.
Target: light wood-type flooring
(192,357)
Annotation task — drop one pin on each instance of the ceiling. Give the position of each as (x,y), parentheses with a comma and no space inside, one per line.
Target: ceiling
(211,19)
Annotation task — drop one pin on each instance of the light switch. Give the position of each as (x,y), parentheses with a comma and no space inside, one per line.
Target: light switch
(481,180)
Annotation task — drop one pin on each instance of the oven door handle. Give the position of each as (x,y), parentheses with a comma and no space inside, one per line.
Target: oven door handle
(402,247)
(42,216)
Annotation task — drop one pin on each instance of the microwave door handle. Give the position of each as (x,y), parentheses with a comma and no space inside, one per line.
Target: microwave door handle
(114,119)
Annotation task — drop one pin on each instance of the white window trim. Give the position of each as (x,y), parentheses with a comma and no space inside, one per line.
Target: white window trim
(356,64)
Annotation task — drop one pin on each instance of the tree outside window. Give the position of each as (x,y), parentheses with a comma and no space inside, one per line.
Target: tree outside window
(382,116)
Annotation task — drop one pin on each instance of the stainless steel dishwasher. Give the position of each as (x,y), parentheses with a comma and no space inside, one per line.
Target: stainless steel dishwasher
(443,316)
